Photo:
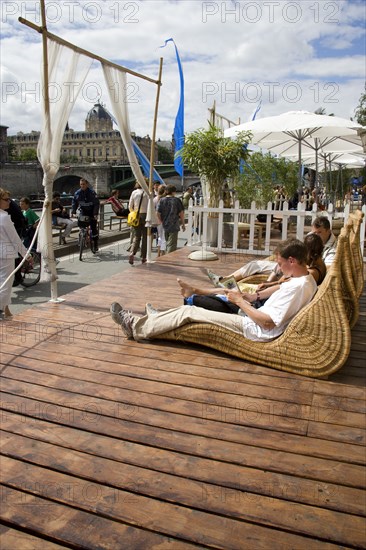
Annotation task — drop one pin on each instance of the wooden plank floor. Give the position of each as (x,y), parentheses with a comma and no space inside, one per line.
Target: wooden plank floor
(112,444)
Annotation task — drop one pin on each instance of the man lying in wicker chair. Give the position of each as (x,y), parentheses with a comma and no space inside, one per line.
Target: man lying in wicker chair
(263,324)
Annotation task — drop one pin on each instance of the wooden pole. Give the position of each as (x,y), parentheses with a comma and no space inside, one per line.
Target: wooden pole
(50,252)
(45,63)
(63,42)
(152,154)
(153,138)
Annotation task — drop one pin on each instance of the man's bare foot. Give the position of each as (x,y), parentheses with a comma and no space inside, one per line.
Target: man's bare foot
(186,290)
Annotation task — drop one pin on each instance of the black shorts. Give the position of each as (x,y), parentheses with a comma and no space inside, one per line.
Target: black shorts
(213,303)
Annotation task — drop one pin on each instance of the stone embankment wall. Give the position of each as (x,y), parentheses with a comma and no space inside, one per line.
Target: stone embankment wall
(23,178)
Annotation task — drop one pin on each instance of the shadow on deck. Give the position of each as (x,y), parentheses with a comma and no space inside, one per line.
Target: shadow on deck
(110,443)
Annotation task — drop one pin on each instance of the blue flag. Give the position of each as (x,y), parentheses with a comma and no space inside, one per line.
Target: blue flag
(179,120)
(256,110)
(252,117)
(144,161)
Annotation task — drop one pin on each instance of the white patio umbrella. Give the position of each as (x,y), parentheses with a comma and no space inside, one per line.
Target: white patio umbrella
(346,160)
(332,162)
(291,132)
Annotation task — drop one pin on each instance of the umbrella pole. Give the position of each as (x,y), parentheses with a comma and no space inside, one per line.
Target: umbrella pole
(300,169)
(316,163)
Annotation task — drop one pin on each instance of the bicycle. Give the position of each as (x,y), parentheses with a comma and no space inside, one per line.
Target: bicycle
(85,236)
(31,270)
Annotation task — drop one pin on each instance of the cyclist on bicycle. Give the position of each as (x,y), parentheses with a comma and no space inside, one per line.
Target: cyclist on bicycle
(86,200)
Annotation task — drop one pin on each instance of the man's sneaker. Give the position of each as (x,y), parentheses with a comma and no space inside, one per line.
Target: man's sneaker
(127,320)
(215,279)
(123,318)
(115,310)
(150,310)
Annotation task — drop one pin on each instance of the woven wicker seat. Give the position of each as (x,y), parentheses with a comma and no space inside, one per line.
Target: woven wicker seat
(352,279)
(317,342)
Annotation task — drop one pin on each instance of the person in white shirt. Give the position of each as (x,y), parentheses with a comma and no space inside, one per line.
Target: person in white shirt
(138,202)
(10,247)
(262,324)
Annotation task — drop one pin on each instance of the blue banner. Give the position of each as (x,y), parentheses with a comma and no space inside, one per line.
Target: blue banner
(179,120)
(144,161)
(252,117)
(256,110)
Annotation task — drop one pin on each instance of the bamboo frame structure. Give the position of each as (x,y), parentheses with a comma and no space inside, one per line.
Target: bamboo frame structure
(43,30)
(46,34)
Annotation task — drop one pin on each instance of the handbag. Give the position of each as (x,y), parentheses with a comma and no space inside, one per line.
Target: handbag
(133,218)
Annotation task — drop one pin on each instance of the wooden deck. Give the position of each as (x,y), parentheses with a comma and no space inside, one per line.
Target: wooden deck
(113,444)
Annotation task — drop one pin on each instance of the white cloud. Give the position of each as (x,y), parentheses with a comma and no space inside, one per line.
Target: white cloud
(288,54)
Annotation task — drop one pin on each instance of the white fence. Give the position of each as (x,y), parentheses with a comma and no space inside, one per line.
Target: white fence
(237,230)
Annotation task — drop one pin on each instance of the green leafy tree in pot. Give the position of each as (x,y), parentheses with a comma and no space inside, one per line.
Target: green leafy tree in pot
(214,158)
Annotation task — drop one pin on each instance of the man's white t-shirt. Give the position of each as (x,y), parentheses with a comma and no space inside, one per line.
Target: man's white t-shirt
(282,307)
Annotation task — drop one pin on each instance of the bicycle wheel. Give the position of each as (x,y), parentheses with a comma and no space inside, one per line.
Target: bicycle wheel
(31,273)
(82,243)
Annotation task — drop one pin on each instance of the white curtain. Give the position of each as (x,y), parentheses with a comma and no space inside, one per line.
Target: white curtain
(67,71)
(119,103)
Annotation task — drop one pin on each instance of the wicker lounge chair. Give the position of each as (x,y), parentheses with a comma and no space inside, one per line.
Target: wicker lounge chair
(352,278)
(317,342)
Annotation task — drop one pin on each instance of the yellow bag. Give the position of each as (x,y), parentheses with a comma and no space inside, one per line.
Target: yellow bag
(133,218)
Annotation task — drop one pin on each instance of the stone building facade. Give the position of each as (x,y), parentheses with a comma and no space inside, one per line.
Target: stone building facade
(99,142)
(4,144)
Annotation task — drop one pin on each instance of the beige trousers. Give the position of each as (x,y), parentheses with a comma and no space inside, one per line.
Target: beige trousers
(151,326)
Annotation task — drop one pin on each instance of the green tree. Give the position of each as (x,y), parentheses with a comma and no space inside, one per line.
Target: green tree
(164,155)
(28,155)
(262,173)
(215,158)
(360,111)
(12,153)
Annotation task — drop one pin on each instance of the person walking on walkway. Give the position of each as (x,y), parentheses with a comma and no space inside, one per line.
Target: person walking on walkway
(160,230)
(171,214)
(138,202)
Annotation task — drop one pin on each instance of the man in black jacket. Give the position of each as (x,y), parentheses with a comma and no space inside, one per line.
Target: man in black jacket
(86,200)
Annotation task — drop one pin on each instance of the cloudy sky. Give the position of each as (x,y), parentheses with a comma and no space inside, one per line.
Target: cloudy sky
(298,55)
